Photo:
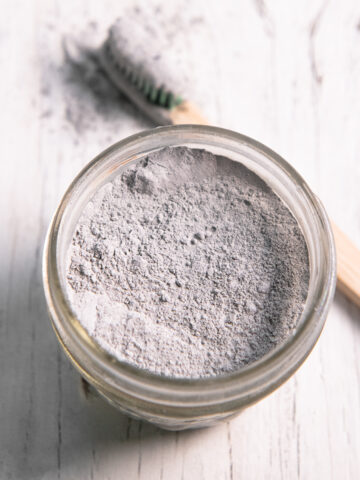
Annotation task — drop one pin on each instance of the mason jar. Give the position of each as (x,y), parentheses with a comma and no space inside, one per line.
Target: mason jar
(174,403)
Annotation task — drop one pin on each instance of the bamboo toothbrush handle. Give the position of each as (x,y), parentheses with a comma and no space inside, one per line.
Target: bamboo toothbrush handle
(348,266)
(186,112)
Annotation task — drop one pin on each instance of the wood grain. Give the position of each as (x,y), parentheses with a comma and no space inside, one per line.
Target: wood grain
(285,73)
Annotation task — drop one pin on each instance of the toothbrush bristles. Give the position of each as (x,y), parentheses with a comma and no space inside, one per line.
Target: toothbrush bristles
(157,95)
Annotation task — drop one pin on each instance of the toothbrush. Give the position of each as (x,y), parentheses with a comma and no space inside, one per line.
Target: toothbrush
(162,105)
(130,68)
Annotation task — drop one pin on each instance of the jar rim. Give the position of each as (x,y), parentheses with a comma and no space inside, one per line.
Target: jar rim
(267,370)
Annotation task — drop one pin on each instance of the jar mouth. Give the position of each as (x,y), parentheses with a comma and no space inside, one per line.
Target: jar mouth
(268,371)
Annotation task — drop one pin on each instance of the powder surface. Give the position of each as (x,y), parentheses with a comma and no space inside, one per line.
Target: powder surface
(187,265)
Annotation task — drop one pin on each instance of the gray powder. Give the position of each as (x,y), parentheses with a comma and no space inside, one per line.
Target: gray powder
(187,265)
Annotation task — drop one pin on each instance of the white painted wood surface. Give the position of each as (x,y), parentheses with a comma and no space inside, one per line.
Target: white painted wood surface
(286,73)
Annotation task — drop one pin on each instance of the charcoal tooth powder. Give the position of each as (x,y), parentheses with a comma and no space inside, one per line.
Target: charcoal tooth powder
(187,264)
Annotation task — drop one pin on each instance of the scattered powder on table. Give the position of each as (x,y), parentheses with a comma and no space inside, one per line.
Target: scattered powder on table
(187,265)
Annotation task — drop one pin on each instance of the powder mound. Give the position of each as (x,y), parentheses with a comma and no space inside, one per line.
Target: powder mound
(187,265)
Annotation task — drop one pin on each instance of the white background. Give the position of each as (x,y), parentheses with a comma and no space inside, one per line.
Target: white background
(286,73)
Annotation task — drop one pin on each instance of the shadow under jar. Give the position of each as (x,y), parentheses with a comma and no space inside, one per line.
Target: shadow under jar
(172,403)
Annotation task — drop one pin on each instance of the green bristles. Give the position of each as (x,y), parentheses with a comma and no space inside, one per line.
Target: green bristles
(156,95)
(159,96)
(153,95)
(162,96)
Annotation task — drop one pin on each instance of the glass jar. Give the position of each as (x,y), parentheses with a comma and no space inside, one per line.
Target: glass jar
(175,403)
